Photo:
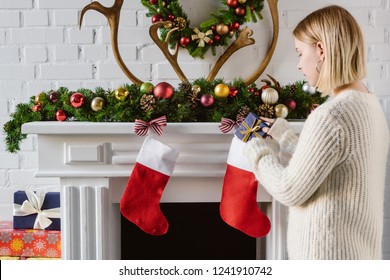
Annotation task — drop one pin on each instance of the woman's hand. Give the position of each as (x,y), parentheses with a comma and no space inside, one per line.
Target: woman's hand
(269,122)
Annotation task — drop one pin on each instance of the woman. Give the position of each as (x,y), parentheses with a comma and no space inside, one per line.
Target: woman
(334,180)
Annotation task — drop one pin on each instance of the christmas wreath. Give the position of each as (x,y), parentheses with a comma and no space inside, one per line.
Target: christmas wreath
(216,31)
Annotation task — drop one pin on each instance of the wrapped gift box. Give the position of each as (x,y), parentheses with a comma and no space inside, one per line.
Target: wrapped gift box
(26,217)
(251,127)
(29,243)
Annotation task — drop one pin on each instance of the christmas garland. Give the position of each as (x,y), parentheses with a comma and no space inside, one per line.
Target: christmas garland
(216,31)
(201,101)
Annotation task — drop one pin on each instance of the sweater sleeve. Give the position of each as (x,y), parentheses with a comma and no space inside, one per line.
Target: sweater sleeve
(318,151)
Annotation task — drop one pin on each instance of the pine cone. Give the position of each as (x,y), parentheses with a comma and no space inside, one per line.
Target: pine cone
(148,102)
(292,89)
(193,99)
(242,114)
(266,110)
(185,87)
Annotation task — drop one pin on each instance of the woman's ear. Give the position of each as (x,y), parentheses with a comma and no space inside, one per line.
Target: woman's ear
(321,51)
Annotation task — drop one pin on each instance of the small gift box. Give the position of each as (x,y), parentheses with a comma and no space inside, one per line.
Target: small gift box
(251,127)
(37,210)
(22,244)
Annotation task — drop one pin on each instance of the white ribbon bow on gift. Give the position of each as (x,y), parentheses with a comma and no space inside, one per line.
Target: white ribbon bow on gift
(33,205)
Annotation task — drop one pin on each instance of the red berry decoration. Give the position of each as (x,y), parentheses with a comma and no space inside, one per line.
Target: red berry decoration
(171,17)
(210,42)
(184,41)
(153,2)
(77,100)
(156,18)
(233,91)
(240,11)
(231,3)
(207,100)
(163,90)
(217,37)
(61,115)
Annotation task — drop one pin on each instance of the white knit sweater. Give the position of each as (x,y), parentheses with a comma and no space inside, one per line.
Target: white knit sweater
(334,180)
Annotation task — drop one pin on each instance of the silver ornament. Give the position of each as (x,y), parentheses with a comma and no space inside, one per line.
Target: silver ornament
(306,87)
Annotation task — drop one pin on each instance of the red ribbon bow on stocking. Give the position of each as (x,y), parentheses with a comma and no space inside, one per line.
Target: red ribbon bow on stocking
(227,124)
(141,127)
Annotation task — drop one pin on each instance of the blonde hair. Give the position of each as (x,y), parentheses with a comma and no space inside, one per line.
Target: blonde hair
(340,34)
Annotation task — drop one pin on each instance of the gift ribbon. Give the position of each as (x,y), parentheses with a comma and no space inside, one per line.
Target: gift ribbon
(141,127)
(201,36)
(257,125)
(33,205)
(227,124)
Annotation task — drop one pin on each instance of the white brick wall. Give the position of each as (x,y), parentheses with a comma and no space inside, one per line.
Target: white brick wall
(42,48)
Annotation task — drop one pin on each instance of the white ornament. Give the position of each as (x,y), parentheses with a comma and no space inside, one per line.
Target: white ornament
(269,96)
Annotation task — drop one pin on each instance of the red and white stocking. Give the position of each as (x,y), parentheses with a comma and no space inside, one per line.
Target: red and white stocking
(140,202)
(239,207)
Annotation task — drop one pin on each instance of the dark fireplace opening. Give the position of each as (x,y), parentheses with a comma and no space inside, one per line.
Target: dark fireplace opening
(196,232)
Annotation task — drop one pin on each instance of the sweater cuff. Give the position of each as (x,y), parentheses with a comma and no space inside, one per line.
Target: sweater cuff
(279,128)
(256,149)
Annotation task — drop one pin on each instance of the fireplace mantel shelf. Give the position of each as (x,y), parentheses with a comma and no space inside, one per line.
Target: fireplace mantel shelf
(119,128)
(94,160)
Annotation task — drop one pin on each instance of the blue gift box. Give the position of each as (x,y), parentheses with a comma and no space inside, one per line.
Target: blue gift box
(251,127)
(50,208)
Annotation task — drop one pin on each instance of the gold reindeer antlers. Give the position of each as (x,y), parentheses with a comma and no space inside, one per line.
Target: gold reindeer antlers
(164,47)
(273,6)
(112,14)
(243,40)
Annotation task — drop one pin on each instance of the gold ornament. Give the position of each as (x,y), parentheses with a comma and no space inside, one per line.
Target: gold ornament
(231,33)
(222,29)
(168,25)
(222,90)
(97,104)
(269,96)
(121,94)
(40,97)
(281,111)
(196,89)
(242,1)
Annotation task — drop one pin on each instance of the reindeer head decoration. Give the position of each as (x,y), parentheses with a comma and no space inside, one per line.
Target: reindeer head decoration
(243,39)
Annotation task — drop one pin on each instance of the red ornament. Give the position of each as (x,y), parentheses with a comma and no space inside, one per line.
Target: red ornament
(184,41)
(234,26)
(252,8)
(240,11)
(213,27)
(217,37)
(210,42)
(231,3)
(153,2)
(163,90)
(290,103)
(233,92)
(60,115)
(37,108)
(251,90)
(171,17)
(53,97)
(77,100)
(207,100)
(156,18)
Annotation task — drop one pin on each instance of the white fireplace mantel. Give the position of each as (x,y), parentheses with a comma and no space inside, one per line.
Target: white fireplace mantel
(94,161)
